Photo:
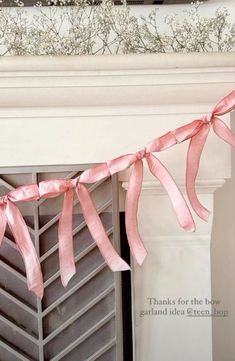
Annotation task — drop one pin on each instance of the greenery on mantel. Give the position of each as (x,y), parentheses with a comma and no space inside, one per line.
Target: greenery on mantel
(109,29)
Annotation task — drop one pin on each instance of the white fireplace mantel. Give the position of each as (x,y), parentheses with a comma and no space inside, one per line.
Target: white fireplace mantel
(88,109)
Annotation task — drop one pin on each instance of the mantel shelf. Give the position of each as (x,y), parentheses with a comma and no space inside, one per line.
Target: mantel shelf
(115,80)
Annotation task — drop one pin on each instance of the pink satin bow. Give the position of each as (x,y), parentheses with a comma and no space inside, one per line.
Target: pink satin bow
(134,188)
(10,214)
(196,145)
(197,131)
(53,188)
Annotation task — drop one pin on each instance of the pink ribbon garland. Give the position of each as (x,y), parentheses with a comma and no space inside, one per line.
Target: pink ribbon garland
(197,131)
(10,214)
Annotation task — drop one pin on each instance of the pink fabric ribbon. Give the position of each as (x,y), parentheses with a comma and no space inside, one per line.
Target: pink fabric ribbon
(94,224)
(134,188)
(50,189)
(53,188)
(196,145)
(10,214)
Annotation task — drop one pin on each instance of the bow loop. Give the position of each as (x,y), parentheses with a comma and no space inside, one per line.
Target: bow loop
(54,187)
(174,137)
(107,169)
(95,174)
(28,192)
(187,131)
(121,163)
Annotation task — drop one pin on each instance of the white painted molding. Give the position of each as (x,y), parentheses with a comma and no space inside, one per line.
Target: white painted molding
(191,110)
(115,62)
(121,80)
(204,186)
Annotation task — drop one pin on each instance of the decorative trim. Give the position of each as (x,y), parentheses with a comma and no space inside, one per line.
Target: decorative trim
(146,80)
(203,186)
(116,63)
(102,112)
(125,78)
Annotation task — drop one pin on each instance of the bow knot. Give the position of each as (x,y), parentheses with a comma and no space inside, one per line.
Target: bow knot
(141,153)
(71,183)
(208,118)
(177,139)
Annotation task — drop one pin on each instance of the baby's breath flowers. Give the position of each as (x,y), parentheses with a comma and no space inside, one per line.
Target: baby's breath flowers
(108,29)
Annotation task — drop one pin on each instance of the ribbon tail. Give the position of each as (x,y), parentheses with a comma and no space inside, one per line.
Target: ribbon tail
(25,245)
(113,260)
(66,254)
(223,132)
(179,204)
(195,149)
(3,223)
(137,247)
